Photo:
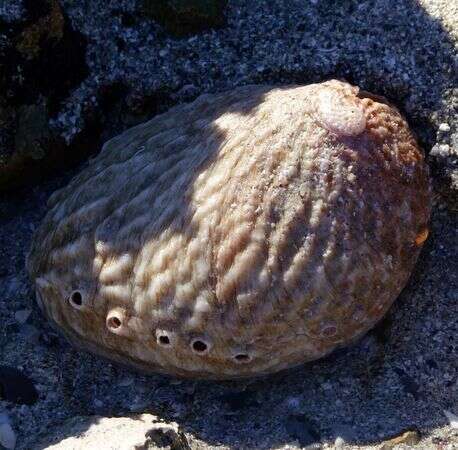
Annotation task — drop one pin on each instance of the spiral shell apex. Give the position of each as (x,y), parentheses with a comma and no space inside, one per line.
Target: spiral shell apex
(238,235)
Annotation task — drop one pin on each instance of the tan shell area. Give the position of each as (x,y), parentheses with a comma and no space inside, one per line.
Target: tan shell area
(240,234)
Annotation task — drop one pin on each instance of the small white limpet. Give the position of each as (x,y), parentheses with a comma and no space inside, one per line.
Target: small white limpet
(340,114)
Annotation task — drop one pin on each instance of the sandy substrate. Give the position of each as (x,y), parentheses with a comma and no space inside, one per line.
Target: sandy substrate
(402,375)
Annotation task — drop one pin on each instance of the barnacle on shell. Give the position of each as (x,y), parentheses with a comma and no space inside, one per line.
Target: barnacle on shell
(241,234)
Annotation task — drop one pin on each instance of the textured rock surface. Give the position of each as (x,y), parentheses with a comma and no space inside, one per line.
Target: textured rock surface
(240,234)
(182,17)
(444,155)
(36,74)
(140,432)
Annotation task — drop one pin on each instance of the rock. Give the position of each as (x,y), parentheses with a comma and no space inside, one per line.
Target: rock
(137,432)
(444,155)
(36,75)
(16,387)
(444,159)
(166,437)
(22,315)
(49,27)
(410,437)
(35,58)
(452,418)
(181,17)
(339,443)
(7,436)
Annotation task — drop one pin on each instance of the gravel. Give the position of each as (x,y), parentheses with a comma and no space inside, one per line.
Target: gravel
(11,10)
(401,376)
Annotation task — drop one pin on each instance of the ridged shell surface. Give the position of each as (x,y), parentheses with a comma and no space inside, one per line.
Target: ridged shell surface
(238,235)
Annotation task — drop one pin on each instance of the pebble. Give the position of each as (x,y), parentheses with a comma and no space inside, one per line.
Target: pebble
(98,403)
(293,403)
(442,150)
(14,286)
(7,434)
(452,418)
(339,443)
(22,315)
(444,127)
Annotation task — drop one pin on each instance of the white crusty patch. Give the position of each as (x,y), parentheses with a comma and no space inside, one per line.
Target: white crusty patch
(340,113)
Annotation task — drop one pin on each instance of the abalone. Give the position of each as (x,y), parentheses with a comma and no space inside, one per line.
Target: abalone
(243,233)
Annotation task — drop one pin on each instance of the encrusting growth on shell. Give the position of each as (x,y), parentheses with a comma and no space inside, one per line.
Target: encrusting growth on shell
(238,235)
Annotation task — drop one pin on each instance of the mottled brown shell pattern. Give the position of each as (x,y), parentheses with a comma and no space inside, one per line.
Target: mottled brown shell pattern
(241,234)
